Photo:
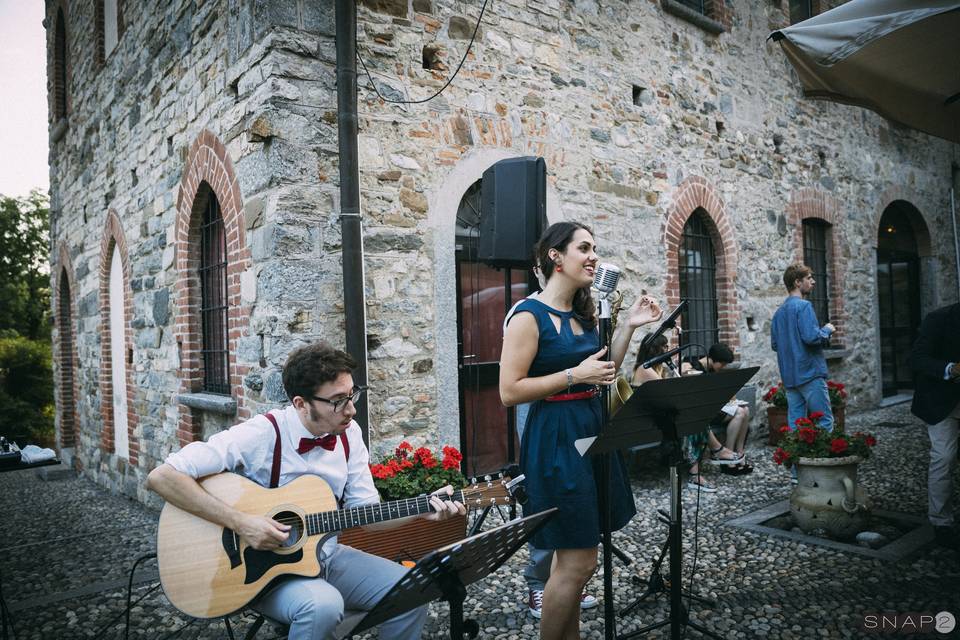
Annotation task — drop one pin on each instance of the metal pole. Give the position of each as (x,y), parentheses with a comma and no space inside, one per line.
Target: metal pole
(354,308)
(956,242)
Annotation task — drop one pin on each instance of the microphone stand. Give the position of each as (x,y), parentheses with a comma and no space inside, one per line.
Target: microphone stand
(603,487)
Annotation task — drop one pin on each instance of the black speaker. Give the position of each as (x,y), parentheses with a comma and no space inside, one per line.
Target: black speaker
(513,210)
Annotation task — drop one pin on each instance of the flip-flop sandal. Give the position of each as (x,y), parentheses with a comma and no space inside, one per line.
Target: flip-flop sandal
(717,460)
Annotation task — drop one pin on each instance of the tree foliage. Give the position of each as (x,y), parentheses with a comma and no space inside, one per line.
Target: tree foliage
(26,390)
(24,276)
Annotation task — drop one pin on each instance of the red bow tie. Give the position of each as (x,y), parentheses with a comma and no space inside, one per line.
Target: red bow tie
(328,442)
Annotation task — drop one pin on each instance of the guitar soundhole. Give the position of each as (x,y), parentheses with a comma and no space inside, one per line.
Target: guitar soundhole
(296,526)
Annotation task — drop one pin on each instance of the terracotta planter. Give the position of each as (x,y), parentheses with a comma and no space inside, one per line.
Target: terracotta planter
(828,497)
(776,418)
(410,541)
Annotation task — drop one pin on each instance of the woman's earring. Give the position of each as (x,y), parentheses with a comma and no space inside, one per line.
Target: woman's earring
(559,268)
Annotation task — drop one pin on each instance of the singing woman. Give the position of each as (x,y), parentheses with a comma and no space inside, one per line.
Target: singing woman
(552,357)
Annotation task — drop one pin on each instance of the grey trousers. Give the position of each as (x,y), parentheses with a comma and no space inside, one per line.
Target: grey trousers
(943,462)
(352,579)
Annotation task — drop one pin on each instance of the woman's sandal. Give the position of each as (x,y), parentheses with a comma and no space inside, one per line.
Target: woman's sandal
(697,483)
(716,459)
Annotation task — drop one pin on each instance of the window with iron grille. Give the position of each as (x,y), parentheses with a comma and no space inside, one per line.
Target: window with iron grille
(213,299)
(697,264)
(816,254)
(801,10)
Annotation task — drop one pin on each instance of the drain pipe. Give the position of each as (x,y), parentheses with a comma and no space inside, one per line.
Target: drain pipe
(354,306)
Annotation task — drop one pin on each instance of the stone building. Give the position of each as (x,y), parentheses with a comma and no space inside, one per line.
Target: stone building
(194,201)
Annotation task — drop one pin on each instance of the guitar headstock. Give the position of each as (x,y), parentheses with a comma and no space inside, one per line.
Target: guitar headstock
(490,489)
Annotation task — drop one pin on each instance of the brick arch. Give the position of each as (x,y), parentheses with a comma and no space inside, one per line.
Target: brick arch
(921,228)
(697,193)
(113,236)
(59,66)
(807,203)
(208,163)
(66,358)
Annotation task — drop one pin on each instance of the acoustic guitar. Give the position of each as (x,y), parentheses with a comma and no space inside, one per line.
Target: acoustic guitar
(208,571)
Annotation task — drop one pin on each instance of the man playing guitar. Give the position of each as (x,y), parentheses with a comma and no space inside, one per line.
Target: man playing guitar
(316,435)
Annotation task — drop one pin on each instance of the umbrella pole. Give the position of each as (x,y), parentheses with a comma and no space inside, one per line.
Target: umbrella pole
(956,242)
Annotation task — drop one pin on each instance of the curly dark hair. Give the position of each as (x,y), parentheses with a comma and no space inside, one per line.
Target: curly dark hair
(558,236)
(313,365)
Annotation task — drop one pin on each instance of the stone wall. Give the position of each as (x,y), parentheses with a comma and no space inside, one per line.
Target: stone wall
(632,107)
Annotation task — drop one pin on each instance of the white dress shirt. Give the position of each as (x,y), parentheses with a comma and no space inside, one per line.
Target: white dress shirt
(247,449)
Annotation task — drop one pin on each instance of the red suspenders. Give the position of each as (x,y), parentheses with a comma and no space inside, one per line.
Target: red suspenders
(277,451)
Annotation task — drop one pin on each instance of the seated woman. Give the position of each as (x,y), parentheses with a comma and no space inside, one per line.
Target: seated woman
(735,416)
(696,443)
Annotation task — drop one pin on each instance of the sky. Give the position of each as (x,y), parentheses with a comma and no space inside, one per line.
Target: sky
(23,98)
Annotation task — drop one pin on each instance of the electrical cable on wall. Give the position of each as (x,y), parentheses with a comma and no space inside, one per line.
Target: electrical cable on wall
(446,84)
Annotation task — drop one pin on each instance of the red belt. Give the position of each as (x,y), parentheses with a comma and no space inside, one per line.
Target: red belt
(576,395)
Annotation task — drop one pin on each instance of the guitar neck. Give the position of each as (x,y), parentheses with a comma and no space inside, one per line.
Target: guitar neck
(330,521)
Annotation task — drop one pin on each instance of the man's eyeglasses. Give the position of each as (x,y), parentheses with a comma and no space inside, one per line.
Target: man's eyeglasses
(340,403)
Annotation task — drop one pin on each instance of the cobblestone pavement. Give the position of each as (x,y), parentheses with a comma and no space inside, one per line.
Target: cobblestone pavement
(67,550)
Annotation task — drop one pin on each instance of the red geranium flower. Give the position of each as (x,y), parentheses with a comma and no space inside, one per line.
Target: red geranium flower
(403,448)
(779,456)
(807,434)
(451,452)
(816,415)
(870,440)
(422,454)
(803,422)
(838,445)
(450,463)
(429,463)
(785,429)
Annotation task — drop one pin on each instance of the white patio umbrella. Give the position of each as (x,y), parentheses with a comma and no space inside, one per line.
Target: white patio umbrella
(900,58)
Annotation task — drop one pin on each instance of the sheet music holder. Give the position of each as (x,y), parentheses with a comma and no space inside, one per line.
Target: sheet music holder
(664,410)
(692,400)
(445,573)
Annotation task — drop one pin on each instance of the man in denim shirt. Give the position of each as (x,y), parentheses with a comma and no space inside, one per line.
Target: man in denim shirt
(799,339)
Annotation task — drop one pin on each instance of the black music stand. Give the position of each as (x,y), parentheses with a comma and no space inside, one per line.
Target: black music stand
(445,573)
(664,410)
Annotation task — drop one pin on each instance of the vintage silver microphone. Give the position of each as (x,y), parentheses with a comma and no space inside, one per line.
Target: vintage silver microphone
(605,280)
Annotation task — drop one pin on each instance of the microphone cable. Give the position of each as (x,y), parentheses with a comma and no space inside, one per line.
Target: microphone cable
(446,84)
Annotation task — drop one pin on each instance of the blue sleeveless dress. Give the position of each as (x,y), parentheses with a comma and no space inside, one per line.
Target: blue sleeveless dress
(556,474)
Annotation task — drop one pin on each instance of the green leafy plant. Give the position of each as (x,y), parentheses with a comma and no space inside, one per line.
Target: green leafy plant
(411,472)
(809,440)
(26,391)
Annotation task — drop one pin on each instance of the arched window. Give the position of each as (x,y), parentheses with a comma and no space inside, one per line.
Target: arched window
(484,294)
(65,330)
(118,361)
(817,254)
(60,68)
(108,28)
(213,298)
(697,266)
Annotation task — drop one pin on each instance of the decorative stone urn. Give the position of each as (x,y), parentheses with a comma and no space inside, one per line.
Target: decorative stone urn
(827,497)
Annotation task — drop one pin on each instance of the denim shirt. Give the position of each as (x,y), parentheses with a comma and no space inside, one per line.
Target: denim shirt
(798,339)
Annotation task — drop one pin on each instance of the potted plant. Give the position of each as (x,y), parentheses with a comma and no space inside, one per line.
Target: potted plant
(826,495)
(409,473)
(838,403)
(777,411)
